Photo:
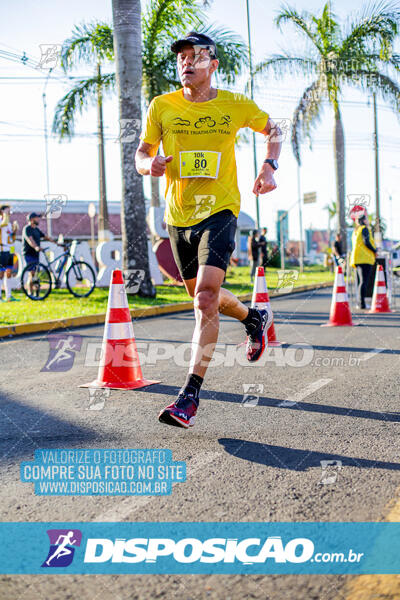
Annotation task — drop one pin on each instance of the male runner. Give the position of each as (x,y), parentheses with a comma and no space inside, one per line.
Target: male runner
(197,126)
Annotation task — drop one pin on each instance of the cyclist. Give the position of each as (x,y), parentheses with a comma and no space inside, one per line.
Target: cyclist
(31,236)
(8,233)
(197,126)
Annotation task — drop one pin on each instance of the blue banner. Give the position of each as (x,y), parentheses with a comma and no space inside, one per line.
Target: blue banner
(245,548)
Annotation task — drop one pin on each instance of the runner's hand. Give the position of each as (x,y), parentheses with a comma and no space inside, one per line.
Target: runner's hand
(265,181)
(159,164)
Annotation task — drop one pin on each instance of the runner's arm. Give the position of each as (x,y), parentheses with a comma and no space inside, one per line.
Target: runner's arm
(265,181)
(274,142)
(148,162)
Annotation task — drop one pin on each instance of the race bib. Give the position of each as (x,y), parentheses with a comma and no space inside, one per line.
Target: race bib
(199,163)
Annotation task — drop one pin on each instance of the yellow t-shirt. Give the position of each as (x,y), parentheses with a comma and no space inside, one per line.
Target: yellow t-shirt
(201,178)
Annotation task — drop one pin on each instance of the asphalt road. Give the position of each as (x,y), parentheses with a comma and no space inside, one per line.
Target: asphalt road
(256,459)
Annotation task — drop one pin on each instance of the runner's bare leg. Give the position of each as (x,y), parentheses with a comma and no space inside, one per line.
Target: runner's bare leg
(209,300)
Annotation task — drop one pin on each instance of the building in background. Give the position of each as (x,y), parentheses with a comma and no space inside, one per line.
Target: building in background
(73,221)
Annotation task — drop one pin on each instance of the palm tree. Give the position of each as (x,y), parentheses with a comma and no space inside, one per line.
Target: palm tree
(357,54)
(165,21)
(128,44)
(91,44)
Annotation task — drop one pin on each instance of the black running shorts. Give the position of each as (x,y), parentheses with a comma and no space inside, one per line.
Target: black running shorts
(210,242)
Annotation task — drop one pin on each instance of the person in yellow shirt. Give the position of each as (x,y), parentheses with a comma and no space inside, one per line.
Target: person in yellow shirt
(197,126)
(363,257)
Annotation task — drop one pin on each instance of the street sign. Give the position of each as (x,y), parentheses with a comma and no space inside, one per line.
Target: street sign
(310,197)
(92,210)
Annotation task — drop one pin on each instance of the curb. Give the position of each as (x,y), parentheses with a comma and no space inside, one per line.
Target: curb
(136,313)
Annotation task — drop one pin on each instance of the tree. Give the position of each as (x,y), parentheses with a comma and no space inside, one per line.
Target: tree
(127,44)
(356,54)
(91,44)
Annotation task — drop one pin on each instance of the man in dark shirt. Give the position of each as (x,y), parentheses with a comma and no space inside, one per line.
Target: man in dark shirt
(262,241)
(31,236)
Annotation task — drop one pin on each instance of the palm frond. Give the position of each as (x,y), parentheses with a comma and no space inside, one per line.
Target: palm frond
(378,22)
(78,98)
(300,20)
(307,115)
(89,43)
(392,61)
(281,64)
(377,82)
(327,27)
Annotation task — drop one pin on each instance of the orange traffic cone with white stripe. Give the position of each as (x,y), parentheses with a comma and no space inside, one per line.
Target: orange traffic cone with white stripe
(261,301)
(380,302)
(119,365)
(340,314)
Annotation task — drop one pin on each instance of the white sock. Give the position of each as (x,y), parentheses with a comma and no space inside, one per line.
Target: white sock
(7,287)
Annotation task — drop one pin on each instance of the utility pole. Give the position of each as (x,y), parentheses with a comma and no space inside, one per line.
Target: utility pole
(301,253)
(378,234)
(252,97)
(46,151)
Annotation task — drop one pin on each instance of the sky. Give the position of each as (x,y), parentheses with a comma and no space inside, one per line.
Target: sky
(74,165)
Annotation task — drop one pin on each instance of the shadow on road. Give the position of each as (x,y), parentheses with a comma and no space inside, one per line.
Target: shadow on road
(24,428)
(344,411)
(295,459)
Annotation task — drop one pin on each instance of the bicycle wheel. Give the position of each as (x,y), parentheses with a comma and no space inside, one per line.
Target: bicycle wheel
(36,281)
(81,279)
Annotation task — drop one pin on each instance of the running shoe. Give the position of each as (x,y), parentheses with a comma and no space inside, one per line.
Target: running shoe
(182,412)
(258,340)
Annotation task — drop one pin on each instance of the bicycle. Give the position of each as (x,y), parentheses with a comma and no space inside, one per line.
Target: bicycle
(38,279)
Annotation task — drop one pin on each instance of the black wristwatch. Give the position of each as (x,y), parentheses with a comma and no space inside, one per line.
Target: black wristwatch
(272,162)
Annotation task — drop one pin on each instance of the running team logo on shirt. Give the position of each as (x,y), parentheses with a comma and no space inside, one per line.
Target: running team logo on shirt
(62,352)
(62,547)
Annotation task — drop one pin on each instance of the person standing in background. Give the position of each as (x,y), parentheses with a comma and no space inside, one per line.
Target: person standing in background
(31,236)
(337,250)
(8,233)
(262,241)
(253,251)
(363,257)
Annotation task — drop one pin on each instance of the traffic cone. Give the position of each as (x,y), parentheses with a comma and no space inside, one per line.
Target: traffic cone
(340,314)
(380,302)
(261,300)
(119,366)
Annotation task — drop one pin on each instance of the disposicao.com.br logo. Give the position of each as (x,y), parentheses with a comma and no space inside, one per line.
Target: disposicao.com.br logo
(213,550)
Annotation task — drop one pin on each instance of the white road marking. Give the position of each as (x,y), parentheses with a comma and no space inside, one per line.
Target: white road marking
(307,391)
(128,505)
(371,353)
